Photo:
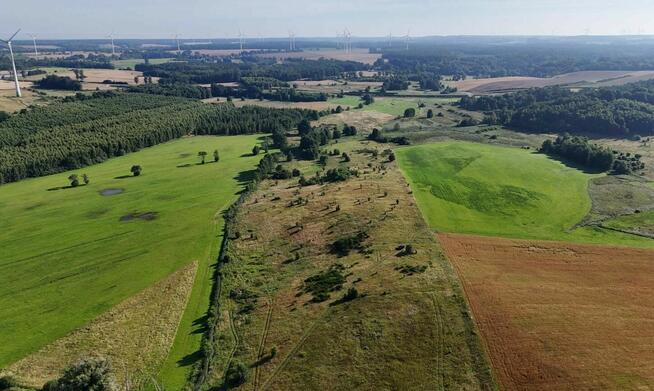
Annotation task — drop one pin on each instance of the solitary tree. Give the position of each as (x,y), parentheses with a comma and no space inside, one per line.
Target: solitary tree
(430,113)
(86,179)
(216,156)
(136,170)
(74,180)
(410,112)
(202,155)
(255,150)
(391,157)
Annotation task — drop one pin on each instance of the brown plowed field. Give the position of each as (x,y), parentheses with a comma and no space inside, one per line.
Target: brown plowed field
(560,316)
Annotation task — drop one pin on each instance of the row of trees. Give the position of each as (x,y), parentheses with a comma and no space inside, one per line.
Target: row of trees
(43,149)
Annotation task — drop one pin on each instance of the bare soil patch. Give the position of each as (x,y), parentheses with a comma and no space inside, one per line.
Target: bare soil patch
(560,316)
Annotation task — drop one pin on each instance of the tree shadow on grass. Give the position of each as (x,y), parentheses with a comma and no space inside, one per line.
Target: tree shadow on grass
(571,164)
(124,177)
(245,177)
(200,325)
(190,359)
(64,187)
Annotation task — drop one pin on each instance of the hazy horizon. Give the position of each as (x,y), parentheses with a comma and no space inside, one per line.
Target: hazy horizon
(197,19)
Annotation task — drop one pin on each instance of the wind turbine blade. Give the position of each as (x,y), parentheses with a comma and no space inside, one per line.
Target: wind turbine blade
(12,37)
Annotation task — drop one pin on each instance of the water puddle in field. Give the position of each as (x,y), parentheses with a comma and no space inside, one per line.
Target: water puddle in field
(111,192)
(145,216)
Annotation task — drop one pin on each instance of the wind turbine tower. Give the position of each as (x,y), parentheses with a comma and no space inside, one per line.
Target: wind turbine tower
(113,47)
(291,41)
(347,40)
(13,63)
(36,52)
(240,40)
(408,38)
(179,48)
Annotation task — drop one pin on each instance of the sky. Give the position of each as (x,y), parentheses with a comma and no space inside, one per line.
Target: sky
(322,18)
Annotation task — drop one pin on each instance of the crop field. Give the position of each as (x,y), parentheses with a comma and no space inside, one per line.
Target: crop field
(320,106)
(359,55)
(131,63)
(409,322)
(574,79)
(482,189)
(560,316)
(71,254)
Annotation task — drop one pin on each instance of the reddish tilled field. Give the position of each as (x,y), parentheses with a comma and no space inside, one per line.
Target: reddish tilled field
(560,316)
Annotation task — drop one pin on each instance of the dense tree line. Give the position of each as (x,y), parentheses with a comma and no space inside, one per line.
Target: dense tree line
(54,82)
(581,151)
(77,61)
(184,90)
(45,140)
(625,111)
(224,71)
(592,156)
(282,94)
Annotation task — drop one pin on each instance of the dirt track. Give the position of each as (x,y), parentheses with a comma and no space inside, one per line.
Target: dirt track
(560,316)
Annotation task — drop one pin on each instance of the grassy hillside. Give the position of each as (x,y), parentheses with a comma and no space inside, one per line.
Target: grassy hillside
(70,254)
(282,309)
(489,190)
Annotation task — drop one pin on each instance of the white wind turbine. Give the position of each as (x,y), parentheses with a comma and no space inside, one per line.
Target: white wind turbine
(179,48)
(347,35)
(408,38)
(240,39)
(113,47)
(390,40)
(36,52)
(13,62)
(291,41)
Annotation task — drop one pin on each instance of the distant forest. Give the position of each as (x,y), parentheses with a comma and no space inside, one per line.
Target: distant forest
(538,60)
(220,71)
(86,130)
(624,111)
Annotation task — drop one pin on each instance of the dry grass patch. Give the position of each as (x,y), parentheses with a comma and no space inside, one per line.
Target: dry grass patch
(408,326)
(136,334)
(363,120)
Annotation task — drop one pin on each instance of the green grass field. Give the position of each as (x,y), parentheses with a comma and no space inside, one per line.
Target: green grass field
(392,106)
(490,190)
(67,256)
(131,63)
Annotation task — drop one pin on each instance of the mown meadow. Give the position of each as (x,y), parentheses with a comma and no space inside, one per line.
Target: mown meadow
(490,190)
(71,253)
